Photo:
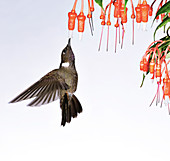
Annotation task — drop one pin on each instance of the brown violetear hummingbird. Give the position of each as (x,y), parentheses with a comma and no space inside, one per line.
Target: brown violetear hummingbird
(59,83)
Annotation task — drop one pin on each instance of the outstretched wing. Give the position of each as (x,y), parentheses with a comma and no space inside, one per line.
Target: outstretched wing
(46,90)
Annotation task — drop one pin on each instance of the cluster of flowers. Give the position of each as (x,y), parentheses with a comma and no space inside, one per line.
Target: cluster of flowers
(120,13)
(154,62)
(141,13)
(81,18)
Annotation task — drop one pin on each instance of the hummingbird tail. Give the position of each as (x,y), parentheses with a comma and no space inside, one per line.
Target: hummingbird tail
(70,106)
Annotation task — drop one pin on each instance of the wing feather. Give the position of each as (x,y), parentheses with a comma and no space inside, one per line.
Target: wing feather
(46,90)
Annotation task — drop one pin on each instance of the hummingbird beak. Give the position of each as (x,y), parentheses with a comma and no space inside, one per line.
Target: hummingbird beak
(69,42)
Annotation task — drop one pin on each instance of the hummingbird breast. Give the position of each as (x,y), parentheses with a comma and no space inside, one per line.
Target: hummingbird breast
(70,76)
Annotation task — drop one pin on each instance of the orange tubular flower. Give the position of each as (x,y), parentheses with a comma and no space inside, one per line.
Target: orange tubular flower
(166,87)
(145,65)
(158,72)
(141,65)
(116,10)
(119,6)
(144,11)
(138,13)
(152,66)
(81,20)
(71,19)
(123,14)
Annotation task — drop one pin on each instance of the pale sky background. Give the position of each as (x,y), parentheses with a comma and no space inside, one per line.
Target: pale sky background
(117,122)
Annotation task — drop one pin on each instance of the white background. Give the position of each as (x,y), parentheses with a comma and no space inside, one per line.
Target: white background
(117,122)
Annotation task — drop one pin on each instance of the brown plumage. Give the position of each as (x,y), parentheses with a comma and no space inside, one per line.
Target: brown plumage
(59,83)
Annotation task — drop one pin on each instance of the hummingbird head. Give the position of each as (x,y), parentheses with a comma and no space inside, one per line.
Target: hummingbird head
(67,55)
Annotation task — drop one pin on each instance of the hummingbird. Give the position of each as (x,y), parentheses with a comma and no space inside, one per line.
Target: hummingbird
(60,84)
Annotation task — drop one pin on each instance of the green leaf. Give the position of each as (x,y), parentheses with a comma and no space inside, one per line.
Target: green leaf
(163,23)
(166,38)
(142,80)
(100,3)
(167,31)
(125,5)
(164,9)
(164,28)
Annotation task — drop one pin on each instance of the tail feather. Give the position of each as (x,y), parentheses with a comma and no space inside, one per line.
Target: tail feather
(68,116)
(70,108)
(77,104)
(64,107)
(73,109)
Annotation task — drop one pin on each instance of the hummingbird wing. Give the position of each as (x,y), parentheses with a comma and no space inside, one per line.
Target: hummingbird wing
(46,90)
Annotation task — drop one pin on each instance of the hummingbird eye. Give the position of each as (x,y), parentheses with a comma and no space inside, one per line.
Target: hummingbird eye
(64,51)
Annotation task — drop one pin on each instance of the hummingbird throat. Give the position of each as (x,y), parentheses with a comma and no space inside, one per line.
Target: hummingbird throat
(66,64)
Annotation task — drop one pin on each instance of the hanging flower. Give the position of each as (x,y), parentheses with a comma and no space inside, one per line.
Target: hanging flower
(141,13)
(154,63)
